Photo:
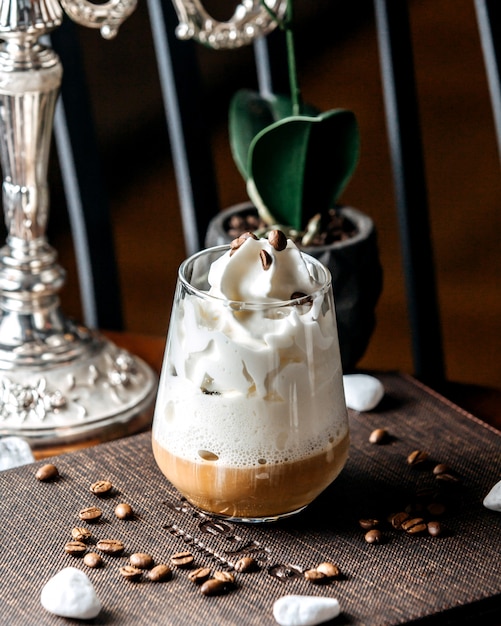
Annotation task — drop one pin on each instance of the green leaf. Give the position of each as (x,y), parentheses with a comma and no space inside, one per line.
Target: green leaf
(300,165)
(249,114)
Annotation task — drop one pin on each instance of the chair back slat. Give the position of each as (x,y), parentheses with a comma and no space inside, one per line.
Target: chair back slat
(404,136)
(187,124)
(489,25)
(86,197)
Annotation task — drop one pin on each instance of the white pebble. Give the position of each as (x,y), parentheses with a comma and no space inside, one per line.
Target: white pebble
(362,392)
(70,594)
(296,610)
(493,499)
(14,451)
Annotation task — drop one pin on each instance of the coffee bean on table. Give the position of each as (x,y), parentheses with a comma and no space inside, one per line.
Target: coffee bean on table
(159,573)
(213,587)
(110,546)
(417,457)
(47,472)
(80,534)
(130,572)
(75,548)
(329,569)
(414,526)
(90,514)
(378,436)
(397,519)
(182,559)
(374,536)
(101,487)
(124,511)
(246,564)
(368,523)
(93,559)
(226,577)
(314,576)
(199,575)
(141,560)
(441,468)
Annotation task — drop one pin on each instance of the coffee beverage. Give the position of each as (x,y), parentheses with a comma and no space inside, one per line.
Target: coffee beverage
(250,421)
(257,491)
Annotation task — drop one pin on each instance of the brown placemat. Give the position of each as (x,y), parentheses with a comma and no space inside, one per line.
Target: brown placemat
(453,578)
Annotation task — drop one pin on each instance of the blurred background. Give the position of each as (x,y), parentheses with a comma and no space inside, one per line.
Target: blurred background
(338,67)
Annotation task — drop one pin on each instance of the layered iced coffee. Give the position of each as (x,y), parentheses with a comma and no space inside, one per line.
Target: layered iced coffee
(250,421)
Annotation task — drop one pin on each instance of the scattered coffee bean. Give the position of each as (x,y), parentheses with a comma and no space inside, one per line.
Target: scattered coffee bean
(141,560)
(182,559)
(124,511)
(368,524)
(314,576)
(278,240)
(47,472)
(101,487)
(236,243)
(417,457)
(378,436)
(93,559)
(81,534)
(374,536)
(448,477)
(110,546)
(414,526)
(329,569)
(213,587)
(226,577)
(441,468)
(159,573)
(434,528)
(75,548)
(246,564)
(397,519)
(130,572)
(266,259)
(199,575)
(90,514)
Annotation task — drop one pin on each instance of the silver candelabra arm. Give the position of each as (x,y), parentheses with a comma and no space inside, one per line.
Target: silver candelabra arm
(250,20)
(107,16)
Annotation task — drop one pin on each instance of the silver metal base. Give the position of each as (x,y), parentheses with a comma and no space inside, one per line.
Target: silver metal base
(98,391)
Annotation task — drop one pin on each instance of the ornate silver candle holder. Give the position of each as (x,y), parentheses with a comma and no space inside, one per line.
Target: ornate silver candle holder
(60,382)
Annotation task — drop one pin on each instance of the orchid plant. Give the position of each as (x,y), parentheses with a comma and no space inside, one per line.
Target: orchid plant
(296,160)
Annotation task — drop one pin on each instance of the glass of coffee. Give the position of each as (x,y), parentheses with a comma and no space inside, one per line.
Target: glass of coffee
(250,421)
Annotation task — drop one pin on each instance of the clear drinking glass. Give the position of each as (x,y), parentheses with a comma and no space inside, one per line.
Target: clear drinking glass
(250,421)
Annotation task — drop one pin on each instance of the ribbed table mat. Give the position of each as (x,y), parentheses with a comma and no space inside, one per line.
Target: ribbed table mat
(453,578)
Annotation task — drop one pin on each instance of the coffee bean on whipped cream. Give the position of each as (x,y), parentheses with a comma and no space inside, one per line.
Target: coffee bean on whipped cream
(278,240)
(236,243)
(266,259)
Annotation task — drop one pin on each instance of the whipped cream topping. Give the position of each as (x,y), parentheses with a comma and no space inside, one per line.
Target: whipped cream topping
(256,271)
(239,382)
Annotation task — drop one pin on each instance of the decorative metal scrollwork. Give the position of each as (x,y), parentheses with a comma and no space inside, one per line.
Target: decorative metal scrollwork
(107,16)
(250,20)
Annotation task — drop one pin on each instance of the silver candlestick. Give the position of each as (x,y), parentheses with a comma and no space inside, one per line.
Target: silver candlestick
(60,382)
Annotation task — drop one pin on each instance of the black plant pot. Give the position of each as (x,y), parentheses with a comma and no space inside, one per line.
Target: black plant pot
(357,276)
